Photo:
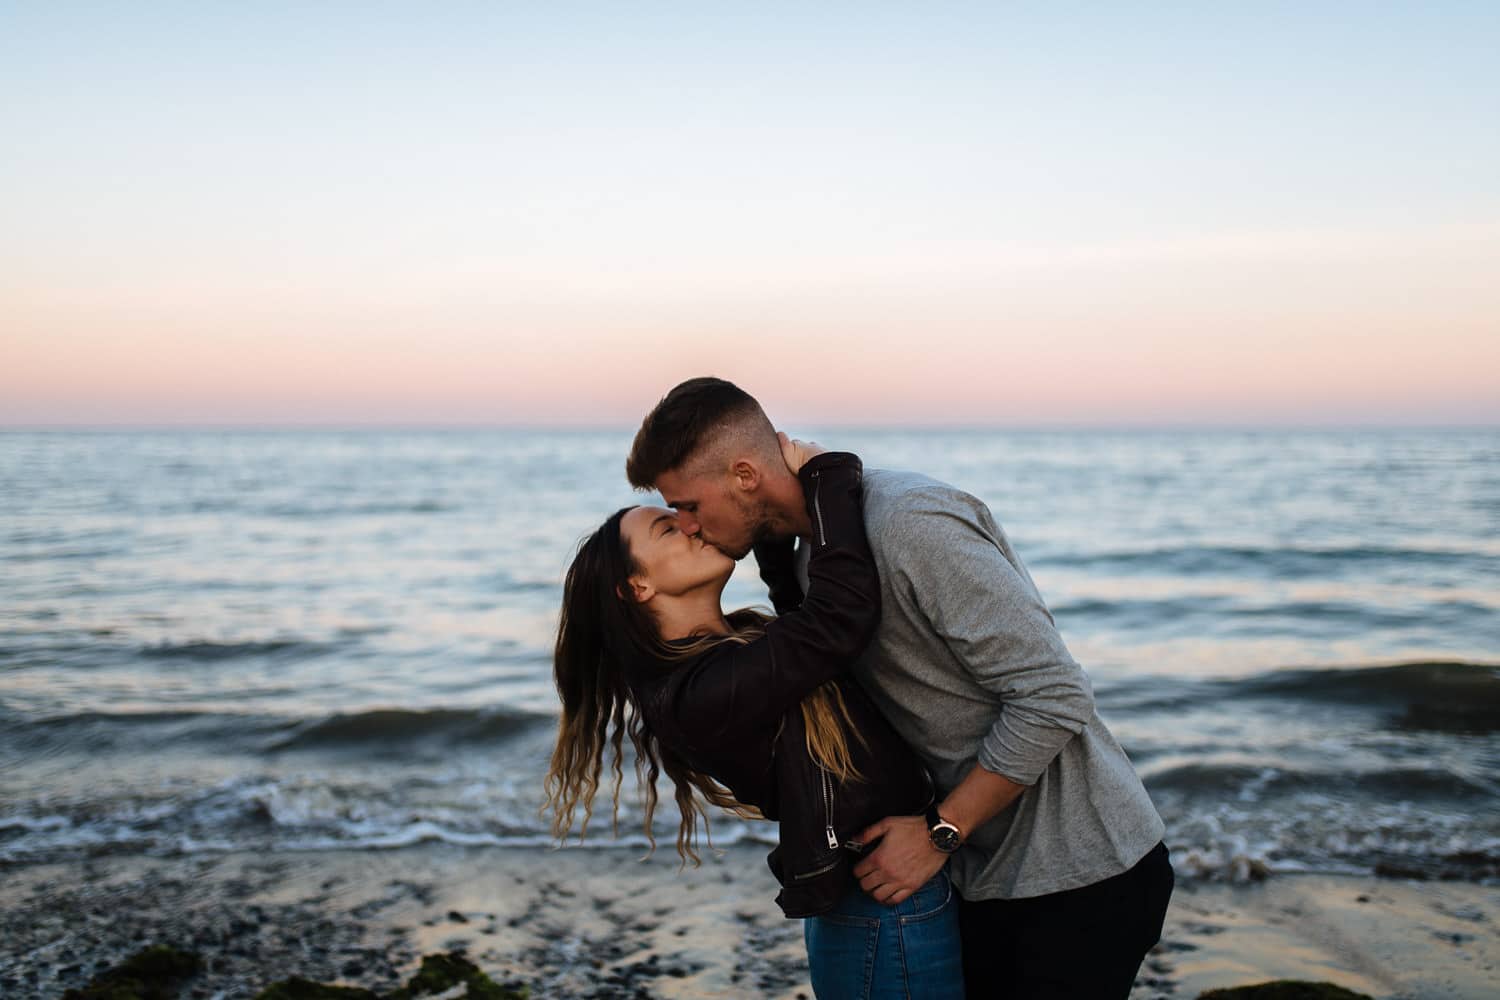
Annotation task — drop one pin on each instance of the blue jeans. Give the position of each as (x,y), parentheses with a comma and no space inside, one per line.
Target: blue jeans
(864,950)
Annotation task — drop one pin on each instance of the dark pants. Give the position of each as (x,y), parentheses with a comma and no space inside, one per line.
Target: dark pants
(1082,944)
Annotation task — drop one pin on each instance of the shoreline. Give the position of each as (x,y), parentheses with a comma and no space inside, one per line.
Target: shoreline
(595,922)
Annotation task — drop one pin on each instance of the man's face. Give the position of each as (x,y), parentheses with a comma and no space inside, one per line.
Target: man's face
(711,506)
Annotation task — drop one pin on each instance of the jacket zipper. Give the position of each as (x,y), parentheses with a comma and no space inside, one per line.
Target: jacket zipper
(827,782)
(819,871)
(833,839)
(817,509)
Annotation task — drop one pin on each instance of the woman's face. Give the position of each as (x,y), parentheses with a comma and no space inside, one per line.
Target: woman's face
(670,562)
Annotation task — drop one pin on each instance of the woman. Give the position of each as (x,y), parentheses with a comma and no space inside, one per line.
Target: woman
(755,715)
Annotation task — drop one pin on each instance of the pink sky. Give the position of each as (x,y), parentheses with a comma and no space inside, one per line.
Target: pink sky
(1266,328)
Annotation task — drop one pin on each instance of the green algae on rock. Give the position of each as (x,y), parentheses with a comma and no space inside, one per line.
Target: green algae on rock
(1285,989)
(443,972)
(152,973)
(438,974)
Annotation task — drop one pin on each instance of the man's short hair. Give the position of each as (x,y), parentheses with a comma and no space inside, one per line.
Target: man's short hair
(682,422)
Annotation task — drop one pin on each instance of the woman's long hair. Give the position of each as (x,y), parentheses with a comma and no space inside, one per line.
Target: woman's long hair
(599,632)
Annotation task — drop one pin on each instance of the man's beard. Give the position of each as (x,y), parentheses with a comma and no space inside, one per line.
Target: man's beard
(737,553)
(758,516)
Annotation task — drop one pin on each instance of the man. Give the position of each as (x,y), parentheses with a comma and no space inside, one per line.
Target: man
(1051,839)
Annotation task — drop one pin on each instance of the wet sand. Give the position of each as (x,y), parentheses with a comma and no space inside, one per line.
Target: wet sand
(599,923)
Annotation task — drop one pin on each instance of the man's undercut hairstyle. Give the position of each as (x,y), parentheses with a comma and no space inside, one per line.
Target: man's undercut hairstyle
(694,415)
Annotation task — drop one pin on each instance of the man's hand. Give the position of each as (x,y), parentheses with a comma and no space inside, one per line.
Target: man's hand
(797,453)
(901,863)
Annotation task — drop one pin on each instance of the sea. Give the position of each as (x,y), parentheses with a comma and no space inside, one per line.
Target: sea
(301,640)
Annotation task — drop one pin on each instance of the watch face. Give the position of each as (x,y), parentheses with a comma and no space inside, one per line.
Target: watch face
(945,838)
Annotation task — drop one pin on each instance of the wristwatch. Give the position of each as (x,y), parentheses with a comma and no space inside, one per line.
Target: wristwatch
(944,835)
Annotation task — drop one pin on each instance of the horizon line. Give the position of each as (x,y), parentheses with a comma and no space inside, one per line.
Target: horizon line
(607,427)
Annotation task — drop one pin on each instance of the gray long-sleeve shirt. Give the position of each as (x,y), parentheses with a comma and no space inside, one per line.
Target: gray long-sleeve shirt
(968,666)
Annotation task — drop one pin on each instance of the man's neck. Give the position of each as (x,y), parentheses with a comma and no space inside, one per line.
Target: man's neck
(789,507)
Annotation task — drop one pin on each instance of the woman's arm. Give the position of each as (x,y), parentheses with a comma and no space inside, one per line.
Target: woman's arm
(741,687)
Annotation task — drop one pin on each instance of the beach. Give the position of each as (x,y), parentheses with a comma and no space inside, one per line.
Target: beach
(602,923)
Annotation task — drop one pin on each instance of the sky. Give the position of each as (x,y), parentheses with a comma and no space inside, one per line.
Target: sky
(899,214)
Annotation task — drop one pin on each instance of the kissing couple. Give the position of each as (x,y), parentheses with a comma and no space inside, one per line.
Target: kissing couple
(955,820)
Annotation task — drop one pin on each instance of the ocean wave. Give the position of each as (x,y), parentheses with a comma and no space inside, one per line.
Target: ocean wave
(209,650)
(63,554)
(1141,611)
(316,812)
(1210,839)
(1226,616)
(1253,782)
(377,732)
(1383,681)
(70,842)
(93,732)
(1444,696)
(1316,833)
(1282,562)
(367,509)
(1241,859)
(384,727)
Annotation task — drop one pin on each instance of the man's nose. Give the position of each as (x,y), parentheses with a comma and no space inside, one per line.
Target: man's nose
(688,524)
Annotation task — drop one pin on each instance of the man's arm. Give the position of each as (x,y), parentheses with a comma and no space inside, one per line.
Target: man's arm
(989,615)
(906,859)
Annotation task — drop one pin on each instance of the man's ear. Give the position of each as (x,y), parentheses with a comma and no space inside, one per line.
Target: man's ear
(746,475)
(639,590)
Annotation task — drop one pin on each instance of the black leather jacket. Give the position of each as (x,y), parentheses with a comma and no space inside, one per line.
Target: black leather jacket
(733,712)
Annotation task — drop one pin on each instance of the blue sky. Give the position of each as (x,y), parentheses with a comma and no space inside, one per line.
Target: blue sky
(699,182)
